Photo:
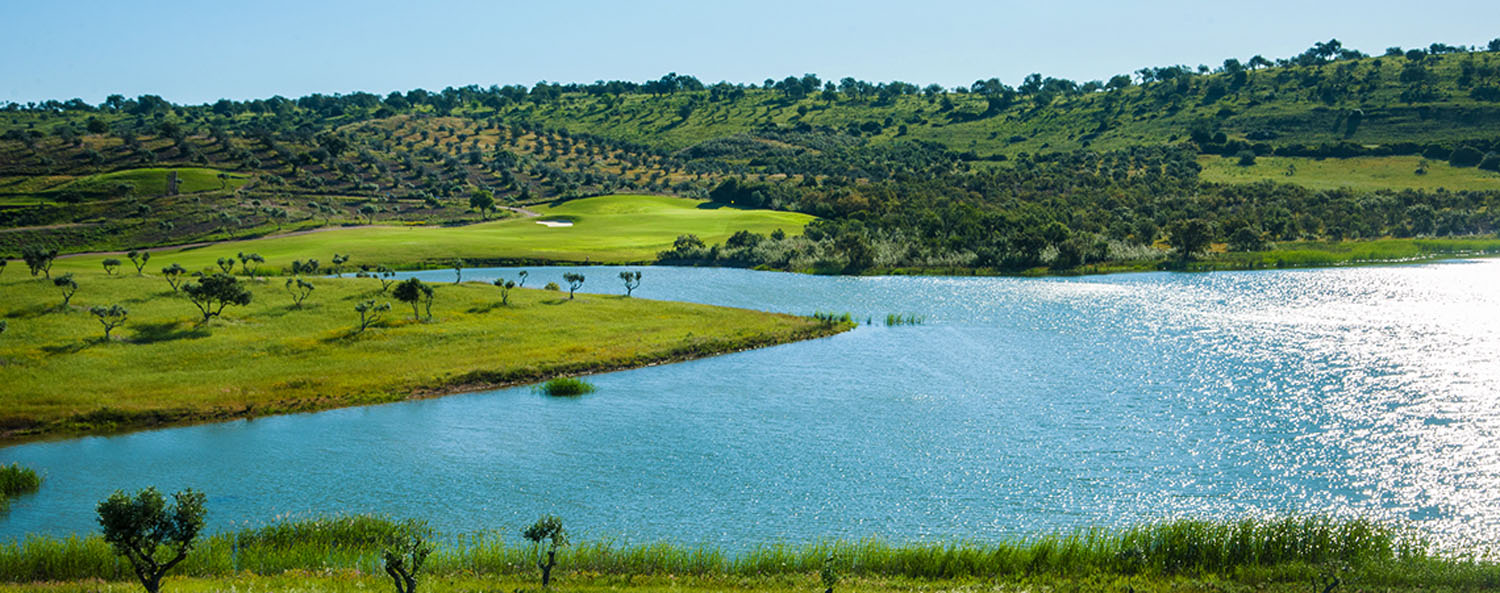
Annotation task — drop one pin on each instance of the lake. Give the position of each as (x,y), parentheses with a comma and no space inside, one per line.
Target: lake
(1020,406)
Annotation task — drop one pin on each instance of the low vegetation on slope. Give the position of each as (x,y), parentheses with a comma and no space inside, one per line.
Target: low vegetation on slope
(165,364)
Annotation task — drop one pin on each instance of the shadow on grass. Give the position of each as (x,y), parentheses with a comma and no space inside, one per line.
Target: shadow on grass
(166,331)
(486,308)
(33,311)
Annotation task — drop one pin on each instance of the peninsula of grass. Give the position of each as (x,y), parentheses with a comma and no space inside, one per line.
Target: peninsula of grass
(604,230)
(342,554)
(58,374)
(566,387)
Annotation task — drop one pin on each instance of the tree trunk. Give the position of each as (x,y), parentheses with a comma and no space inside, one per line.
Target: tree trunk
(547,569)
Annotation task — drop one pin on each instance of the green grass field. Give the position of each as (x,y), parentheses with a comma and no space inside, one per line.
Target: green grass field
(610,229)
(1359,173)
(58,375)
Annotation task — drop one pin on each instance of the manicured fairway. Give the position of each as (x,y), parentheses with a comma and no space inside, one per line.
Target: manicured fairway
(58,375)
(609,229)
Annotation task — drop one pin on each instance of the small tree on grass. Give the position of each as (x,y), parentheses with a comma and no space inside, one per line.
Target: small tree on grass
(38,259)
(387,277)
(1189,237)
(412,291)
(505,288)
(370,314)
(139,259)
(226,264)
(308,267)
(110,317)
(250,263)
(458,270)
(110,265)
(404,560)
(338,264)
(152,536)
(521,278)
(632,281)
(428,293)
(3,263)
(548,529)
(173,274)
(575,281)
(299,289)
(211,294)
(68,286)
(482,200)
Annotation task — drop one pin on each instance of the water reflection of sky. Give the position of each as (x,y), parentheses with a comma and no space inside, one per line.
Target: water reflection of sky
(1021,405)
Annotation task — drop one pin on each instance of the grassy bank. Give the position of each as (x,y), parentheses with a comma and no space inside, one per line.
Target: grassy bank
(1305,254)
(1274,554)
(57,374)
(609,229)
(1358,173)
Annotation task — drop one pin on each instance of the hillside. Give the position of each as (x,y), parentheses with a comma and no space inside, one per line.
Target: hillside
(1331,144)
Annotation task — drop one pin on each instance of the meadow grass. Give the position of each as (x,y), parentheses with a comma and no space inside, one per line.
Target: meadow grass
(57,374)
(1359,173)
(608,229)
(1251,551)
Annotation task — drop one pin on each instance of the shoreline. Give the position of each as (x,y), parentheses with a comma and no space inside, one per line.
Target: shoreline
(106,422)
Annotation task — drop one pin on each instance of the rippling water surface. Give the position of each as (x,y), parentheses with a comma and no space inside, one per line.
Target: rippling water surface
(1020,406)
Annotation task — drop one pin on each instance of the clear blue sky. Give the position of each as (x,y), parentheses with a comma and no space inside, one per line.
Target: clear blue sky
(199,51)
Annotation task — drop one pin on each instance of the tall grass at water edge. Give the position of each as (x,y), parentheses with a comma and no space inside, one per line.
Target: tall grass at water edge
(15,481)
(1293,548)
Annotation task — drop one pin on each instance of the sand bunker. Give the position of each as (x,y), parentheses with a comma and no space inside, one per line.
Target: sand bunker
(555,223)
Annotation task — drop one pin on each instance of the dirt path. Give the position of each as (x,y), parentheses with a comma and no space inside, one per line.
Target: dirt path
(522,211)
(65,225)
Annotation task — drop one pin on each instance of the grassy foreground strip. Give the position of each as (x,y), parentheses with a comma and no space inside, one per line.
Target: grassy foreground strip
(58,374)
(608,229)
(343,554)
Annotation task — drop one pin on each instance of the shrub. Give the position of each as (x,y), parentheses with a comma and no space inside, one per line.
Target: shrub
(551,286)
(1246,157)
(566,386)
(1465,156)
(1491,162)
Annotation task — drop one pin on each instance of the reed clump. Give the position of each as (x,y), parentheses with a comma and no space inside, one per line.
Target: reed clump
(566,386)
(15,481)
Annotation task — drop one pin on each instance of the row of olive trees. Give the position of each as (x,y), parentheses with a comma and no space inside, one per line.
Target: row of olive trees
(155,537)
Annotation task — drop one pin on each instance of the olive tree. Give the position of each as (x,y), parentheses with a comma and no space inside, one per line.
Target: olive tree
(575,281)
(458,270)
(413,292)
(211,294)
(110,265)
(1189,237)
(482,200)
(546,529)
(226,264)
(110,317)
(39,259)
(68,286)
(387,277)
(338,264)
(632,281)
(370,314)
(299,289)
(173,274)
(505,288)
(308,267)
(139,259)
(521,278)
(250,263)
(152,536)
(404,560)
(3,263)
